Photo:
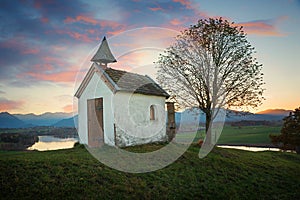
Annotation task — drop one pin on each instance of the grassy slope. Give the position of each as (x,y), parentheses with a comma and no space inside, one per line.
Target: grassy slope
(223,174)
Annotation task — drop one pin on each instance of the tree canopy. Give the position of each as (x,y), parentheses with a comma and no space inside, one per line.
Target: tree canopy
(290,132)
(211,66)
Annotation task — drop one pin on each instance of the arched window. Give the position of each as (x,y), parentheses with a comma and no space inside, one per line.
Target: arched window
(152,112)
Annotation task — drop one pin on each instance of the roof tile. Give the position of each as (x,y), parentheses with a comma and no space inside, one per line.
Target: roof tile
(136,83)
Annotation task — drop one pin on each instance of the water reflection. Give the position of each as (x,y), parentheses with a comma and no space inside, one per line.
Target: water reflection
(46,143)
(249,148)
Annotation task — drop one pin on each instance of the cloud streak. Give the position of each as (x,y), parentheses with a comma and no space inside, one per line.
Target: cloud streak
(56,77)
(263,27)
(8,105)
(68,108)
(186,3)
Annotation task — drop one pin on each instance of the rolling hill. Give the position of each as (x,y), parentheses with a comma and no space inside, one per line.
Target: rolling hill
(223,174)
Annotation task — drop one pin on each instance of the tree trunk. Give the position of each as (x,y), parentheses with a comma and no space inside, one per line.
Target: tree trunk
(297,148)
(207,127)
(207,121)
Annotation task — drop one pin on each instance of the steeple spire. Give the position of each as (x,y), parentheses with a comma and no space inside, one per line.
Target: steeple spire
(103,54)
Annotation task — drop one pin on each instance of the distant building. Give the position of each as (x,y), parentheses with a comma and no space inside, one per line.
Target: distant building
(119,108)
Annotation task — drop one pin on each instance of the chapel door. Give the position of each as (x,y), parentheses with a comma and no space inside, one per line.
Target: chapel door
(95,122)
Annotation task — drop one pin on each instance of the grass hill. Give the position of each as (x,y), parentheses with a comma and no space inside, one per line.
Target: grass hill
(223,174)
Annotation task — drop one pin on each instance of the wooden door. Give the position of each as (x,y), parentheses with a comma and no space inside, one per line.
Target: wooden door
(95,122)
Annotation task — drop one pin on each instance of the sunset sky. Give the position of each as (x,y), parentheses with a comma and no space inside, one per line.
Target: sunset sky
(45,45)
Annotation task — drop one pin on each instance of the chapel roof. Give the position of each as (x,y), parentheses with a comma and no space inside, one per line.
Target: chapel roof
(132,82)
(119,80)
(103,54)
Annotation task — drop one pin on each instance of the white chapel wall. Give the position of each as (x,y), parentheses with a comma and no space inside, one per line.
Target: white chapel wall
(132,119)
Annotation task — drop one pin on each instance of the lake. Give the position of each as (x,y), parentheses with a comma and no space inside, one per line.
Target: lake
(251,148)
(47,143)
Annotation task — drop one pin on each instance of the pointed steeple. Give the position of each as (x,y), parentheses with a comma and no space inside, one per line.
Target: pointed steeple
(103,54)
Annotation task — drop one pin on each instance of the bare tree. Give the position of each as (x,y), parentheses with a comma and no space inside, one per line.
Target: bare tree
(211,66)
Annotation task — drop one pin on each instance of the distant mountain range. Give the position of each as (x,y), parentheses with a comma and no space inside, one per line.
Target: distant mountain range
(9,121)
(45,119)
(232,116)
(58,119)
(70,122)
(280,112)
(61,119)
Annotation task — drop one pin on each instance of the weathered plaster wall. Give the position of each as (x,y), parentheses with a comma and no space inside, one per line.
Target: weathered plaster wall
(132,119)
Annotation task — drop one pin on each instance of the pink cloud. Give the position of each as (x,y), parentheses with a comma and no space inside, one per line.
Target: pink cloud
(91,31)
(50,61)
(86,19)
(43,67)
(80,36)
(115,32)
(114,26)
(90,20)
(19,43)
(185,3)
(58,77)
(155,9)
(68,108)
(175,22)
(260,28)
(8,105)
(37,4)
(59,47)
(44,20)
(108,23)
(30,51)
(76,35)
(69,20)
(82,18)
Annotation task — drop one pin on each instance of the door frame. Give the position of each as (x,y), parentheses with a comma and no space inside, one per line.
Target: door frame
(92,114)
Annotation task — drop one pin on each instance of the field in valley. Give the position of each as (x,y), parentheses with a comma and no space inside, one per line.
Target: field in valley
(232,135)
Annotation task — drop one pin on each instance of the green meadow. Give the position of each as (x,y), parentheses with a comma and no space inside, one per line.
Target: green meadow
(248,134)
(251,135)
(223,174)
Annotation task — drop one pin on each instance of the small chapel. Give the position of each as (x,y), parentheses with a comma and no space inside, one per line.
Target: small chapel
(120,108)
